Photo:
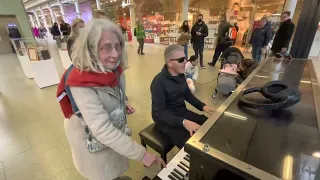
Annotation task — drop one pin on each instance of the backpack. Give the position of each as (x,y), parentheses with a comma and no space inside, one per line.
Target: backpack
(232,33)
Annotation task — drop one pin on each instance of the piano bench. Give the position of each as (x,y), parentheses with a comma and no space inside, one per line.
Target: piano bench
(156,140)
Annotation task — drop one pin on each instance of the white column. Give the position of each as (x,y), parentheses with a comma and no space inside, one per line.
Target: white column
(98,4)
(185,10)
(132,23)
(62,12)
(37,18)
(76,4)
(290,6)
(53,17)
(31,20)
(44,19)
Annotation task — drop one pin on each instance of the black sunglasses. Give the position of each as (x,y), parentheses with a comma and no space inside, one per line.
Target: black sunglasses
(180,60)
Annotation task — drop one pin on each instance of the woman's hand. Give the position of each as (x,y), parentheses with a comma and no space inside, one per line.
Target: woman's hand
(130,109)
(151,159)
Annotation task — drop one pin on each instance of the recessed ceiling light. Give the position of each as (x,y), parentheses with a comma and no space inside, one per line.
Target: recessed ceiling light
(316,154)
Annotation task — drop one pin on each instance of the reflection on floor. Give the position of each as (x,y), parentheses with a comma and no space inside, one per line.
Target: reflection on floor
(33,145)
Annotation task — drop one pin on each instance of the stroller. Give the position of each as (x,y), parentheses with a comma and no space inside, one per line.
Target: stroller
(228,79)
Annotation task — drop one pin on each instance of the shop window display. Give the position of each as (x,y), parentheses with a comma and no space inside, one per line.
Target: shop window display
(162,18)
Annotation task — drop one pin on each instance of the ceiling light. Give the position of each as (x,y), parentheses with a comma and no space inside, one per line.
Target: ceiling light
(316,154)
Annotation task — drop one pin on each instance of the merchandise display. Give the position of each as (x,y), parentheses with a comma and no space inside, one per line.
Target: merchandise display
(36,61)
(22,54)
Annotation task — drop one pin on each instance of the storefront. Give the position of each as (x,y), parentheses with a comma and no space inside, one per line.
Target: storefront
(162,18)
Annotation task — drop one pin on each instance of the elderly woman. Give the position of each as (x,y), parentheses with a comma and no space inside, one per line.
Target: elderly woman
(77,25)
(95,106)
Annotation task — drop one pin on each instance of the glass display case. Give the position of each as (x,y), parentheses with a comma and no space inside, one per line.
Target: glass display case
(36,61)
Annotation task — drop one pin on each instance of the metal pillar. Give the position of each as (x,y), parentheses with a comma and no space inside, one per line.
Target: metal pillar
(76,4)
(44,19)
(37,18)
(132,21)
(306,29)
(32,20)
(185,10)
(98,4)
(62,12)
(290,6)
(53,17)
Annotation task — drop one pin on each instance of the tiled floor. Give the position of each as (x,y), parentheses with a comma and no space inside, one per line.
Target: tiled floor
(33,145)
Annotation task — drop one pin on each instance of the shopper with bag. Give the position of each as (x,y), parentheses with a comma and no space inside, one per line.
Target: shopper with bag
(92,97)
(260,39)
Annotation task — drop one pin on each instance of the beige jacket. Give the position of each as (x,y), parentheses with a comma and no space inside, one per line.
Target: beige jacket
(95,105)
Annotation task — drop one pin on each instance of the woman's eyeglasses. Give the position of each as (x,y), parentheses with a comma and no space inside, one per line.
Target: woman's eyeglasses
(108,48)
(180,60)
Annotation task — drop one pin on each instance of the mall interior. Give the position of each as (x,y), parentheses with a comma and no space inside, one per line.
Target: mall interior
(234,143)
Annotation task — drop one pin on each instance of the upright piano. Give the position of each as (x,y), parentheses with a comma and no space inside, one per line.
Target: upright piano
(238,143)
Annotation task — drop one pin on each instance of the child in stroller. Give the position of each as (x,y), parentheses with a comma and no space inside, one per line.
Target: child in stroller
(228,78)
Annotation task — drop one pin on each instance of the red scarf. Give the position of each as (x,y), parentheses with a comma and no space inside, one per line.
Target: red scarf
(84,79)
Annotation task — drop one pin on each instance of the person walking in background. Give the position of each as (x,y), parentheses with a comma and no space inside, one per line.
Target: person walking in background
(95,108)
(198,32)
(141,35)
(36,32)
(56,33)
(224,41)
(184,30)
(76,26)
(65,28)
(260,39)
(237,29)
(283,35)
(192,72)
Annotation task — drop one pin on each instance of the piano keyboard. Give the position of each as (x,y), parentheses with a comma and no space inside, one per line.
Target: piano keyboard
(177,168)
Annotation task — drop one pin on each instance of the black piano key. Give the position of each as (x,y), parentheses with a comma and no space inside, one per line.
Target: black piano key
(188,155)
(183,168)
(171,177)
(183,163)
(176,175)
(178,172)
(187,159)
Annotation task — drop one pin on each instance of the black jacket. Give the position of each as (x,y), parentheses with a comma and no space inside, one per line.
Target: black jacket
(261,36)
(203,29)
(169,94)
(283,36)
(65,29)
(55,31)
(223,29)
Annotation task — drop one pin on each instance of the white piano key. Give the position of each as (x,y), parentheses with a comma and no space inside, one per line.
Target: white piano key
(173,164)
(164,174)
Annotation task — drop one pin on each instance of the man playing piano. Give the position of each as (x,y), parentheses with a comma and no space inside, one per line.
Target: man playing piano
(169,92)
